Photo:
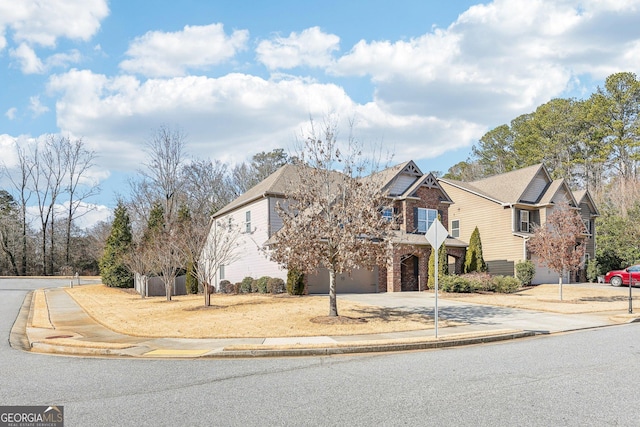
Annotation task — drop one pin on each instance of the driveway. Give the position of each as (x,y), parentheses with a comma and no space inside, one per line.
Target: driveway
(481,316)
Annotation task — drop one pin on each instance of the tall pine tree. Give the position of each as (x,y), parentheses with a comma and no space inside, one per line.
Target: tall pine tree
(112,267)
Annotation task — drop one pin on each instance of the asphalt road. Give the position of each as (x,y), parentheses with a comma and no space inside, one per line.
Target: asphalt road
(586,378)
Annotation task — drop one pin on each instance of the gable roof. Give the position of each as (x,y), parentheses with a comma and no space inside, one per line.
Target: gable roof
(509,187)
(585,195)
(414,178)
(273,185)
(519,186)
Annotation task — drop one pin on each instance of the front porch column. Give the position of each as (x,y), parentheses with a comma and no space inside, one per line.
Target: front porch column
(394,277)
(423,267)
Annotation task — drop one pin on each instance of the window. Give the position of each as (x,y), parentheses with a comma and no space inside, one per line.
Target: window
(247,222)
(221,271)
(524,221)
(387,213)
(426,217)
(587,225)
(455,228)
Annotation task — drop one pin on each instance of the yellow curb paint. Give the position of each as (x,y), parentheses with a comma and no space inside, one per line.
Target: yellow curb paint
(169,352)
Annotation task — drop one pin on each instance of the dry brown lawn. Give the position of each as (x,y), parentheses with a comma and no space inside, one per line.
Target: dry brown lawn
(236,316)
(575,299)
(40,317)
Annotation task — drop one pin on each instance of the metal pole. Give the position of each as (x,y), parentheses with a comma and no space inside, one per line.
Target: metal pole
(436,281)
(630,297)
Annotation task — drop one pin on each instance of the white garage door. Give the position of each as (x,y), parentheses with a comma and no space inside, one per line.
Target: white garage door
(544,275)
(360,281)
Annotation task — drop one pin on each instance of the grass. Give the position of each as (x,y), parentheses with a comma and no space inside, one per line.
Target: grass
(238,316)
(576,298)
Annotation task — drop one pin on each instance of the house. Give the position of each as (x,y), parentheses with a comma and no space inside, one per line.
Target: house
(415,202)
(506,207)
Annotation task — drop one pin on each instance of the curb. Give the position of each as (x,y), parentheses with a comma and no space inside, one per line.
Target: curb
(292,352)
(18,338)
(371,348)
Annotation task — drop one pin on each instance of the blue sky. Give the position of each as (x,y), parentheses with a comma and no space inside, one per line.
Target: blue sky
(424,78)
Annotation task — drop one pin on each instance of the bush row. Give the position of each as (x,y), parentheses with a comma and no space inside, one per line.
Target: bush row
(479,282)
(263,285)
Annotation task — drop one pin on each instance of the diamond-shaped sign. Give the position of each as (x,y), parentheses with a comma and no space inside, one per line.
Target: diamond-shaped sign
(436,234)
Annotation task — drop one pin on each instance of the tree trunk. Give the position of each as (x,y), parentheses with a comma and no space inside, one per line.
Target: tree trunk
(560,285)
(207,296)
(333,303)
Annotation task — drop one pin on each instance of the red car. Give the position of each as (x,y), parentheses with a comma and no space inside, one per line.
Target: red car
(621,277)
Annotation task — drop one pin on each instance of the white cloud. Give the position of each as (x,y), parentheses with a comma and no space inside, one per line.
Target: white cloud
(29,61)
(230,118)
(36,106)
(11,113)
(161,54)
(311,48)
(63,60)
(41,23)
(87,215)
(499,59)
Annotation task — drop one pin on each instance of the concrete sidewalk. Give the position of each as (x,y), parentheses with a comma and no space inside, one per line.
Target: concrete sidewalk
(74,332)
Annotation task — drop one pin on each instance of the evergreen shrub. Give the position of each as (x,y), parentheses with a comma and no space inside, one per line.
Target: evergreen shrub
(525,271)
(261,285)
(245,285)
(295,282)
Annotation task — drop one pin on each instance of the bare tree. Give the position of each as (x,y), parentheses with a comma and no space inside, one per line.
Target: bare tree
(46,179)
(558,243)
(332,219)
(206,187)
(79,161)
(219,247)
(163,169)
(26,163)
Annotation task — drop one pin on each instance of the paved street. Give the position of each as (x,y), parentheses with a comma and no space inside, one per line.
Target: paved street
(583,378)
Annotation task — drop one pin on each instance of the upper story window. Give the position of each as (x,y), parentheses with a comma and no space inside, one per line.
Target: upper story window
(587,225)
(425,217)
(247,222)
(524,221)
(455,228)
(387,213)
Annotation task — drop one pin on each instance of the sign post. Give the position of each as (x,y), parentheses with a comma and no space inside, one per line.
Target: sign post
(436,235)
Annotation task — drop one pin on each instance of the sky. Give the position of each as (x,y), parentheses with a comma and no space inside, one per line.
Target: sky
(423,79)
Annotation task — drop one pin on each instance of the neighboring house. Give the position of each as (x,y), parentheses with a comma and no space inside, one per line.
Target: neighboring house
(506,207)
(415,201)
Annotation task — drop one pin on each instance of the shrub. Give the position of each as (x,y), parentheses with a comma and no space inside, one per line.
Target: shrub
(225,287)
(505,284)
(295,282)
(260,285)
(479,281)
(191,282)
(457,284)
(473,260)
(245,285)
(275,285)
(525,271)
(593,270)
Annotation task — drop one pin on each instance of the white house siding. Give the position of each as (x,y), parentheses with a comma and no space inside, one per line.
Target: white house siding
(253,262)
(535,188)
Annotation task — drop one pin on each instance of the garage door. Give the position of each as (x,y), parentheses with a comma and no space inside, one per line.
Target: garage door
(360,281)
(544,275)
